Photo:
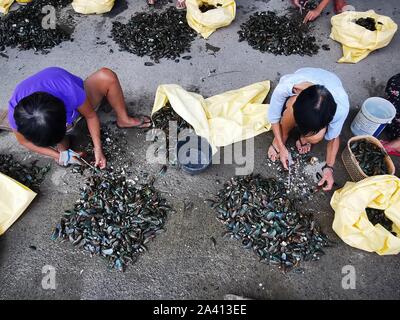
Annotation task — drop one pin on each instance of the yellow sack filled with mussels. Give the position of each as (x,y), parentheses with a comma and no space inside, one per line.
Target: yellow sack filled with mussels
(93,6)
(14,199)
(351,221)
(207,22)
(222,119)
(357,41)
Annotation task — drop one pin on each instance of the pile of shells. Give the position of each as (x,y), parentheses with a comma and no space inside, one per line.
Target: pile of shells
(23,28)
(114,218)
(29,175)
(376,216)
(280,35)
(157,35)
(114,143)
(370,157)
(368,23)
(206,7)
(257,212)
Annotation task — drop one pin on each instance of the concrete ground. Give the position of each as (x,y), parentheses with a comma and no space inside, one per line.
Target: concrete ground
(183,263)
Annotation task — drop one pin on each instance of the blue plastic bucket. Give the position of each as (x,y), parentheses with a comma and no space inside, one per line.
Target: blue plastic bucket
(373,117)
(194,154)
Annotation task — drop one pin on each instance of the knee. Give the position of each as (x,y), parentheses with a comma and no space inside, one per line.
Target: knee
(108,75)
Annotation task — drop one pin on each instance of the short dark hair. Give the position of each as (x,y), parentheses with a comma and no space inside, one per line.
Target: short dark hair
(314,109)
(41,119)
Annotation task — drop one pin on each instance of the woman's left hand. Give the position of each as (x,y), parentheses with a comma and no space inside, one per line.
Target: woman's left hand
(100,159)
(327,177)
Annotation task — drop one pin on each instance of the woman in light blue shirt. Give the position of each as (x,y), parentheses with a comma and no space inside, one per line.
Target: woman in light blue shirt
(314,101)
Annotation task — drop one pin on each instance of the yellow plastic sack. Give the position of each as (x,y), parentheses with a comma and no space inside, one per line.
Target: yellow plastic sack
(206,23)
(14,199)
(6,4)
(357,41)
(222,119)
(351,222)
(93,6)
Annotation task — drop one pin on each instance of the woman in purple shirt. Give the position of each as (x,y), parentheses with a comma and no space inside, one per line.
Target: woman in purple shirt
(46,104)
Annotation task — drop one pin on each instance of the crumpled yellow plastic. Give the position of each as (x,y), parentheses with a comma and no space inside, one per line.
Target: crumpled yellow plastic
(206,23)
(357,41)
(93,6)
(351,222)
(6,4)
(14,199)
(222,119)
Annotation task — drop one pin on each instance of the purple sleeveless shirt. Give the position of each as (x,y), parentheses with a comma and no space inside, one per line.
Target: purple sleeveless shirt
(55,81)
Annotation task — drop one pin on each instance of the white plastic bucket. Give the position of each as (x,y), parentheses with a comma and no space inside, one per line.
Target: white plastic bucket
(373,117)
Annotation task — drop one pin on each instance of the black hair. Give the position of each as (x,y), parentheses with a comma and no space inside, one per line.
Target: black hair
(314,109)
(41,119)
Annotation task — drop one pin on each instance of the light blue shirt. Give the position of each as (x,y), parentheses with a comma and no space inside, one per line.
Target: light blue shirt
(319,76)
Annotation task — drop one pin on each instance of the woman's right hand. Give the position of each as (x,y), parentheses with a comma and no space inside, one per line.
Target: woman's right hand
(284,157)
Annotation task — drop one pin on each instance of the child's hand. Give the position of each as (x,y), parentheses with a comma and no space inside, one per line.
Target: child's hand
(100,159)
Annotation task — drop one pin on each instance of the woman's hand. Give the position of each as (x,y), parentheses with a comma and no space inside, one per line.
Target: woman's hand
(327,178)
(100,159)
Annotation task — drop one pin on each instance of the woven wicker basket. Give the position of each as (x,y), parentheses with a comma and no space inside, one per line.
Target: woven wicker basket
(351,164)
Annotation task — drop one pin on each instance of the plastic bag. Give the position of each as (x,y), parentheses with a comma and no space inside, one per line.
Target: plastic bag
(357,41)
(14,199)
(206,23)
(351,222)
(222,119)
(93,6)
(6,4)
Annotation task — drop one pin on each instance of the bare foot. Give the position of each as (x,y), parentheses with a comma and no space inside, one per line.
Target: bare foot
(130,122)
(339,4)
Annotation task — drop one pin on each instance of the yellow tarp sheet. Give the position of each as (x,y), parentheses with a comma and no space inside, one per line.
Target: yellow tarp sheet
(351,222)
(222,119)
(206,23)
(14,199)
(92,6)
(357,41)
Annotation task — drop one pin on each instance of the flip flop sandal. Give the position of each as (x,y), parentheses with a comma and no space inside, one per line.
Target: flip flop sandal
(143,120)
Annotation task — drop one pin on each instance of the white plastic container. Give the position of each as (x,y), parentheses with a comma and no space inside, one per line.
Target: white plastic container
(373,117)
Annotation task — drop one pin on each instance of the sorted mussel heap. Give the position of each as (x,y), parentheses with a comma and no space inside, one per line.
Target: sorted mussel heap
(376,216)
(256,211)
(23,28)
(114,218)
(157,35)
(29,175)
(368,23)
(280,35)
(370,157)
